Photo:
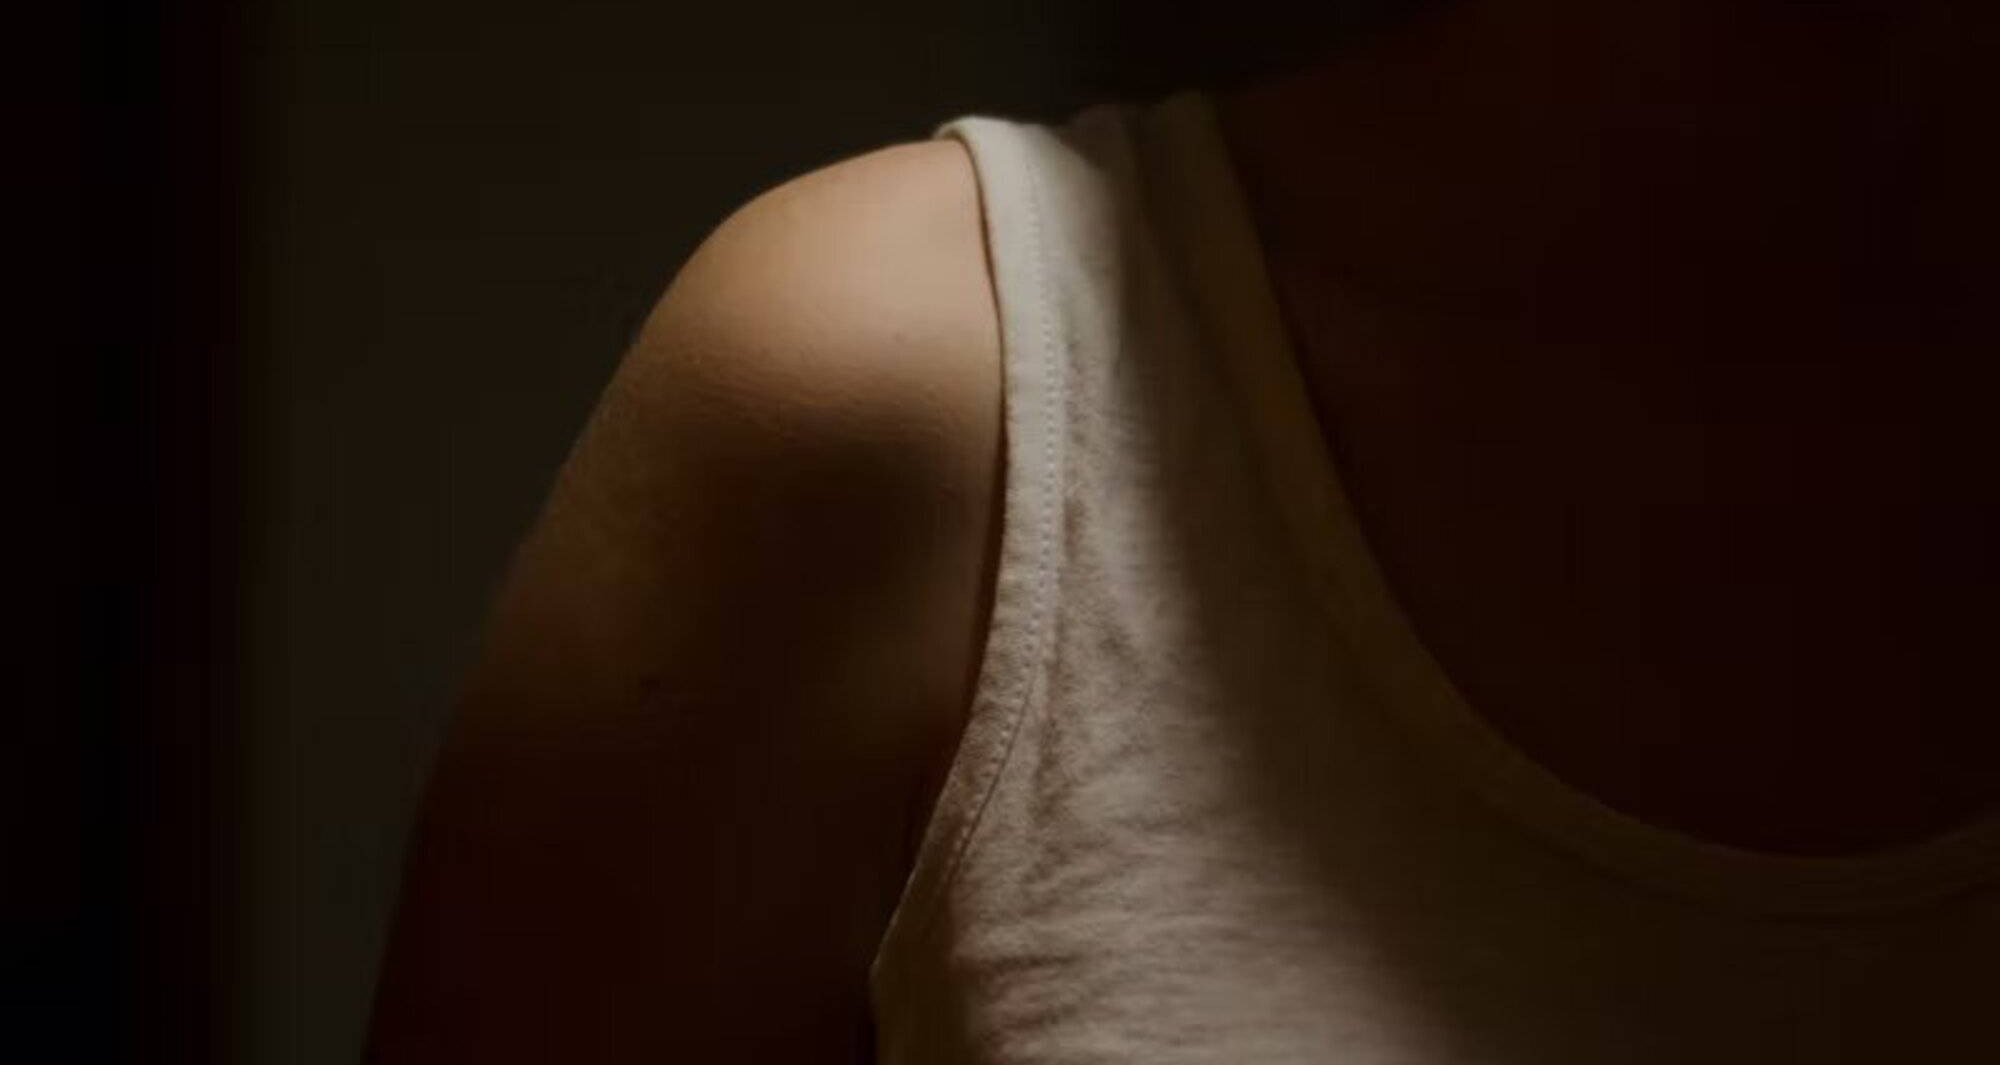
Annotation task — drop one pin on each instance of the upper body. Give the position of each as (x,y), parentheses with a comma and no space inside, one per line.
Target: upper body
(730,670)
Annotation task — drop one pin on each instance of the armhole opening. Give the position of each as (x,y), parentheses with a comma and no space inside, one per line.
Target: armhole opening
(1018,605)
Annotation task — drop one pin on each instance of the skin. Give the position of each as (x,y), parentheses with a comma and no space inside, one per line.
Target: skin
(729,667)
(1737,251)
(681,790)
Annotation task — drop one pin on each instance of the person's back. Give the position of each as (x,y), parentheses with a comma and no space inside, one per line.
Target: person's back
(816,704)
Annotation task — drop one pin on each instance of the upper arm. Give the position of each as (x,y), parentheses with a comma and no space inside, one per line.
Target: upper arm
(671,814)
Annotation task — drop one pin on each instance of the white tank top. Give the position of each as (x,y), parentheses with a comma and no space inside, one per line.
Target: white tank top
(1216,803)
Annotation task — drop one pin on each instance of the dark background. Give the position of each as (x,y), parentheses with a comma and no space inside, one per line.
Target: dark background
(352,275)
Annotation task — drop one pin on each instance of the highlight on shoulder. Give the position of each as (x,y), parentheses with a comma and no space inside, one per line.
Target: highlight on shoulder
(863,282)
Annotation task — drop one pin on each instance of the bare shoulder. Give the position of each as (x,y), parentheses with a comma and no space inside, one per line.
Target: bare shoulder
(829,361)
(854,292)
(679,790)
